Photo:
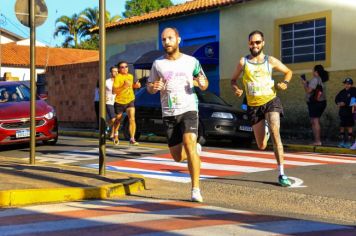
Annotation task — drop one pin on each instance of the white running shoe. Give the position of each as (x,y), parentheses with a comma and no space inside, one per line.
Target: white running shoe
(199,149)
(196,195)
(353,147)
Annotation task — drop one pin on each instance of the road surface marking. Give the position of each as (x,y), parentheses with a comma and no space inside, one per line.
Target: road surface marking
(151,217)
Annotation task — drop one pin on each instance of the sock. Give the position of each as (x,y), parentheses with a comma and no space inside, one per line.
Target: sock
(196,189)
(281,169)
(341,137)
(349,138)
(132,139)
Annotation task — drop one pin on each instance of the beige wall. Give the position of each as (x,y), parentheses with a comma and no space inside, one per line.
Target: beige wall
(117,39)
(238,21)
(261,14)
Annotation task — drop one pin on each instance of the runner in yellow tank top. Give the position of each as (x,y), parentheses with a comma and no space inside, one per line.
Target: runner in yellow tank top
(264,107)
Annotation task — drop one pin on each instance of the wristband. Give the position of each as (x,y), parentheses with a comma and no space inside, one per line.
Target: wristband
(286,82)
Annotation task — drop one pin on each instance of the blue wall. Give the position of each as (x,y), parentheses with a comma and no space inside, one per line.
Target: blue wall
(198,29)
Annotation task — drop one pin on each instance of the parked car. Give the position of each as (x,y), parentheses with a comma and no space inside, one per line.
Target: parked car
(217,119)
(15,116)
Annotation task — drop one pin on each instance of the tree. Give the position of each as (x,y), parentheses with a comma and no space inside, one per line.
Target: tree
(70,28)
(138,7)
(90,19)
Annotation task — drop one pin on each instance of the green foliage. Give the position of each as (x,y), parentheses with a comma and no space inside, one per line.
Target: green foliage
(138,7)
(75,29)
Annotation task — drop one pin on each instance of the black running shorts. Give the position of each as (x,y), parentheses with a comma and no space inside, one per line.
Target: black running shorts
(176,126)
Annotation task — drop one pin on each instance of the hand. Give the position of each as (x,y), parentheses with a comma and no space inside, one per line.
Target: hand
(341,104)
(238,92)
(282,86)
(158,85)
(201,80)
(137,85)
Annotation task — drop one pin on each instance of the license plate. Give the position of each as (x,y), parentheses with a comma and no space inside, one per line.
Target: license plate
(23,133)
(245,128)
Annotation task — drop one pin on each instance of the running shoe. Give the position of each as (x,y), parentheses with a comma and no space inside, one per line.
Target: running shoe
(353,147)
(284,181)
(341,144)
(347,145)
(134,143)
(116,139)
(196,195)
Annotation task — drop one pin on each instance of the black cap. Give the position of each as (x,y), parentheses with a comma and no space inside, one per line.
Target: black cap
(348,80)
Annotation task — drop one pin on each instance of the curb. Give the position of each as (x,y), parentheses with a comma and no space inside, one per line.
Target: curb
(10,198)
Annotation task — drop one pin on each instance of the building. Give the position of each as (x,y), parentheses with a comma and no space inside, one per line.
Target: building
(301,33)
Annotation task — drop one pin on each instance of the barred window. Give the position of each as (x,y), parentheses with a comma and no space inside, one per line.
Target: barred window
(303,41)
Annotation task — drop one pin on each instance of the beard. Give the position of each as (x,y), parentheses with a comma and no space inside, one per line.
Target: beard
(255,52)
(170,50)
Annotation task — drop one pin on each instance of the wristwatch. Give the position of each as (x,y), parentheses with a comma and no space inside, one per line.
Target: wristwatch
(286,82)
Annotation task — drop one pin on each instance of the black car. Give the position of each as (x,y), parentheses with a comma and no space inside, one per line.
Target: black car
(217,119)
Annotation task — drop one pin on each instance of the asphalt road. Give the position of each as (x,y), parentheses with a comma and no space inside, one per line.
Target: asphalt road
(324,185)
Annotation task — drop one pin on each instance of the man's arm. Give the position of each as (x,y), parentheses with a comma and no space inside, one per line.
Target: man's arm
(155,82)
(279,66)
(238,70)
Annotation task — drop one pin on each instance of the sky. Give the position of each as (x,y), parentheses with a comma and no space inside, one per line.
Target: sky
(56,9)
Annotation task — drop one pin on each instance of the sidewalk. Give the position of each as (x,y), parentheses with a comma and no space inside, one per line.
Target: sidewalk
(289,145)
(24,184)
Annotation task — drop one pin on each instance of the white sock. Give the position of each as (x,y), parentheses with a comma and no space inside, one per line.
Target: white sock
(196,189)
(281,169)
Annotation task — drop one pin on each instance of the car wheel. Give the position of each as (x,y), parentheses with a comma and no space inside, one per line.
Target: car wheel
(126,131)
(201,134)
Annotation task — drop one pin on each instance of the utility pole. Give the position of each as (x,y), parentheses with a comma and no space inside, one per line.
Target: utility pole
(102,78)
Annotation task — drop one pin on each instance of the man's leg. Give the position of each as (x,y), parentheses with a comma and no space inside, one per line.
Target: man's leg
(259,130)
(273,119)
(116,128)
(132,124)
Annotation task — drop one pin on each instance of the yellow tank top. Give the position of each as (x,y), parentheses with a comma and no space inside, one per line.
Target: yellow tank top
(124,95)
(258,82)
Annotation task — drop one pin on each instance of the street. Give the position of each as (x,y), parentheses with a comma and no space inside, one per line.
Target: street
(233,180)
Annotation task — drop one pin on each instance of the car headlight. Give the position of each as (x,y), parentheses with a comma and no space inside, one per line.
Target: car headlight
(223,115)
(49,115)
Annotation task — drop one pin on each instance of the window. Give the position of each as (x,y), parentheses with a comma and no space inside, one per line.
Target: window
(303,41)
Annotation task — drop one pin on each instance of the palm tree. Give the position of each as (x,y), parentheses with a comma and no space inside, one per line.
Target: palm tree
(90,19)
(70,28)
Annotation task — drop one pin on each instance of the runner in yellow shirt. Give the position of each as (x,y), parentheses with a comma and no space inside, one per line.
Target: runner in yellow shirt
(124,101)
(264,107)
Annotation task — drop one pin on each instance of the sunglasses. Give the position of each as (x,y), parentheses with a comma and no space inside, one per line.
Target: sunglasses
(255,42)
(123,67)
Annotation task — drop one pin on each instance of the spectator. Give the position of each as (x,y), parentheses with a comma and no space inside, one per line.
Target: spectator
(15,97)
(353,104)
(342,100)
(316,99)
(5,96)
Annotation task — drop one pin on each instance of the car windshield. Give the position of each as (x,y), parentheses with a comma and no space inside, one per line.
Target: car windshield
(14,93)
(209,97)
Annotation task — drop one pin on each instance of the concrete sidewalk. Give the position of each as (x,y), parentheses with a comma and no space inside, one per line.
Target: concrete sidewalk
(24,184)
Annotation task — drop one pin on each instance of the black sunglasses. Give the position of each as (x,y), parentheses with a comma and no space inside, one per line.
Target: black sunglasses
(258,42)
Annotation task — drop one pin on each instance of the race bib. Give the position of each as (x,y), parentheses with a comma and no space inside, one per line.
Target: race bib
(175,100)
(260,88)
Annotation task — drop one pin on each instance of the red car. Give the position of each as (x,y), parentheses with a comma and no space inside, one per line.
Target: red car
(15,116)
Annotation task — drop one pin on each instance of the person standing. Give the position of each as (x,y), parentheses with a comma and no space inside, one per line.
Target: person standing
(175,74)
(316,99)
(343,101)
(124,101)
(110,99)
(264,107)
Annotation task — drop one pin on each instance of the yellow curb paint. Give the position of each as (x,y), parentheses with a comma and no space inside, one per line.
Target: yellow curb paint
(40,196)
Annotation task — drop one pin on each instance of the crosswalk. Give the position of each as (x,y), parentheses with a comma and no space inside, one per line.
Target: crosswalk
(220,162)
(152,217)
